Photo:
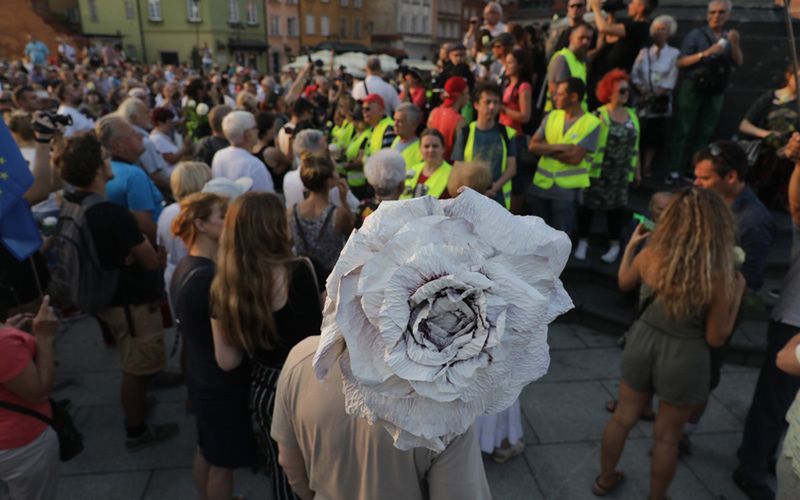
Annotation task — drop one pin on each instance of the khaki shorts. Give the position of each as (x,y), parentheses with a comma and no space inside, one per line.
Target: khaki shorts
(144,352)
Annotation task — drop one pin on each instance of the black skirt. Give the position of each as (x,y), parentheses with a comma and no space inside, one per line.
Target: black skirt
(225,431)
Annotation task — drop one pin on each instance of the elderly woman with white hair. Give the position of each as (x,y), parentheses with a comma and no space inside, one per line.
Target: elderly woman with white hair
(386,173)
(654,75)
(236,160)
(134,111)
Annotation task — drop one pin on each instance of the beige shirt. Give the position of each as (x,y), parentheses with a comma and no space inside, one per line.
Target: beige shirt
(346,457)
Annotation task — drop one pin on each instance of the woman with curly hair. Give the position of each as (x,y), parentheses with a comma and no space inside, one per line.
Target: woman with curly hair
(690,296)
(264,300)
(615,165)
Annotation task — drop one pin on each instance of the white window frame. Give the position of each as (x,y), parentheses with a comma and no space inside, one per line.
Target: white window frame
(310,24)
(234,16)
(93,17)
(275,25)
(129,13)
(289,30)
(356,28)
(324,25)
(357,3)
(344,3)
(252,13)
(343,25)
(154,10)
(193,11)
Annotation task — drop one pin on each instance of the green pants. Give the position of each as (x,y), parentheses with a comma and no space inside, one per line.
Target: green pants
(694,123)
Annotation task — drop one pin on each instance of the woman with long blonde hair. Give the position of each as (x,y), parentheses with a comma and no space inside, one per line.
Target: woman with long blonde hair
(691,293)
(264,300)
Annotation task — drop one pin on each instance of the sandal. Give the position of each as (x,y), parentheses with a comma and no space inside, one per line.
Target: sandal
(600,491)
(647,416)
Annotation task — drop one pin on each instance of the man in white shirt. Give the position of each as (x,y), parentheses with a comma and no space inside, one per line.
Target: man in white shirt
(236,160)
(134,111)
(492,15)
(71,96)
(375,84)
(66,51)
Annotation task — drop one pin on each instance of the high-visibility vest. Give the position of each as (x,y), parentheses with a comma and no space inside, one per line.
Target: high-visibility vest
(552,171)
(469,150)
(343,134)
(412,154)
(599,155)
(435,184)
(375,143)
(355,178)
(577,69)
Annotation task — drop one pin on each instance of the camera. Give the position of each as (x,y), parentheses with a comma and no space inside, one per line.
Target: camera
(56,120)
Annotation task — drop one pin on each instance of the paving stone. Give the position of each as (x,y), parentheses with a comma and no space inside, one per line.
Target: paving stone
(563,336)
(566,472)
(713,460)
(114,485)
(594,338)
(177,484)
(588,364)
(512,480)
(735,391)
(567,411)
(104,442)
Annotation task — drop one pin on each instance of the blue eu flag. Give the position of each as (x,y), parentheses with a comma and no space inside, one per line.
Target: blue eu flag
(18,231)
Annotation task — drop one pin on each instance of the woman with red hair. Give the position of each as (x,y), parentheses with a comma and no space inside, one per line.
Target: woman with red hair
(615,166)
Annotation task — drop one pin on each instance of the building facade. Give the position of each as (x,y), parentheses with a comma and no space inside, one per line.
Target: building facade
(415,28)
(340,23)
(174,31)
(283,32)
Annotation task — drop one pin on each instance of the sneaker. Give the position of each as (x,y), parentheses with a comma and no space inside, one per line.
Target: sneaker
(580,250)
(753,491)
(502,455)
(611,256)
(153,434)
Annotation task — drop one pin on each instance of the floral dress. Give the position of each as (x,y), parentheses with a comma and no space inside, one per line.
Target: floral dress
(610,190)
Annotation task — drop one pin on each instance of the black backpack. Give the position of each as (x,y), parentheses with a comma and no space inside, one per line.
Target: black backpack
(78,280)
(713,75)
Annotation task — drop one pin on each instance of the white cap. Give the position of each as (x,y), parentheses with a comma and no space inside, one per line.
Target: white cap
(226,187)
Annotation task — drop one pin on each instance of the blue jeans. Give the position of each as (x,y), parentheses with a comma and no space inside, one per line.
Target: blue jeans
(766,420)
(559,214)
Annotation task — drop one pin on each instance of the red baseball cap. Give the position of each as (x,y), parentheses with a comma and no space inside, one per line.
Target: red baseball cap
(455,86)
(374,98)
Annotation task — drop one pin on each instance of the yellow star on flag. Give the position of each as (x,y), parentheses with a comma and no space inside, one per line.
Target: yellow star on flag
(2,160)
(3,176)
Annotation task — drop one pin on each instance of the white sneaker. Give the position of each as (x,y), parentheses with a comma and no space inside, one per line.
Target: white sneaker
(612,254)
(580,250)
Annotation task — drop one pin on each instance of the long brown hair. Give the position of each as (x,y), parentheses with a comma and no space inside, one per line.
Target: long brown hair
(255,242)
(693,245)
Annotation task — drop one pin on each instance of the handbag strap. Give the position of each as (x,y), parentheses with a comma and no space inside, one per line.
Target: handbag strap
(649,70)
(27,411)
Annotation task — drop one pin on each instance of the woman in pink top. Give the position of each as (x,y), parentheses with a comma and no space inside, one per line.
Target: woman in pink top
(518,94)
(28,447)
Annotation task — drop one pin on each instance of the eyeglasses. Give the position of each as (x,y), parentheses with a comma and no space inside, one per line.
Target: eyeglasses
(624,90)
(577,6)
(716,151)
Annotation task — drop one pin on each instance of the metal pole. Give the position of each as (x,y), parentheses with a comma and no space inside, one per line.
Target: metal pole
(792,51)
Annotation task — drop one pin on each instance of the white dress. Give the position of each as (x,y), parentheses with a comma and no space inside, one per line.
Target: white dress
(493,429)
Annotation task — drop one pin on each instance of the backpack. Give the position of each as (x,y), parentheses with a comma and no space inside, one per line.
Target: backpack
(78,280)
(713,75)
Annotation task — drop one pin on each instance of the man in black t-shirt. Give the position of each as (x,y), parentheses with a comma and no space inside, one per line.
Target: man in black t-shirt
(632,33)
(133,316)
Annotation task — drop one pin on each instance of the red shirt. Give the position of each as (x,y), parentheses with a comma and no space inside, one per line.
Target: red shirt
(445,119)
(511,100)
(17,350)
(417,97)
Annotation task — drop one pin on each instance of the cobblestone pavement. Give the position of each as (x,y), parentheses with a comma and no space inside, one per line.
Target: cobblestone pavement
(563,418)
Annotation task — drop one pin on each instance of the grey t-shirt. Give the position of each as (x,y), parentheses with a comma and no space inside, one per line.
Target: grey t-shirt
(787,310)
(589,143)
(559,70)
(488,148)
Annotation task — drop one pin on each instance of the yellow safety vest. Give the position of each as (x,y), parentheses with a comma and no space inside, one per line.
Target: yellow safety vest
(343,134)
(355,178)
(375,143)
(552,171)
(412,154)
(469,154)
(436,183)
(577,69)
(599,155)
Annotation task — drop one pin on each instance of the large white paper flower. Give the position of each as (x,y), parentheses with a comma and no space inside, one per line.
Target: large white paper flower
(438,312)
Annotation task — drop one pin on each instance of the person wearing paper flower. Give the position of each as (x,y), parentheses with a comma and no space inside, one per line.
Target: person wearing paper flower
(437,313)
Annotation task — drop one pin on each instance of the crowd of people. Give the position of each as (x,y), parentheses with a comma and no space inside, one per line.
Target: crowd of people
(220,199)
